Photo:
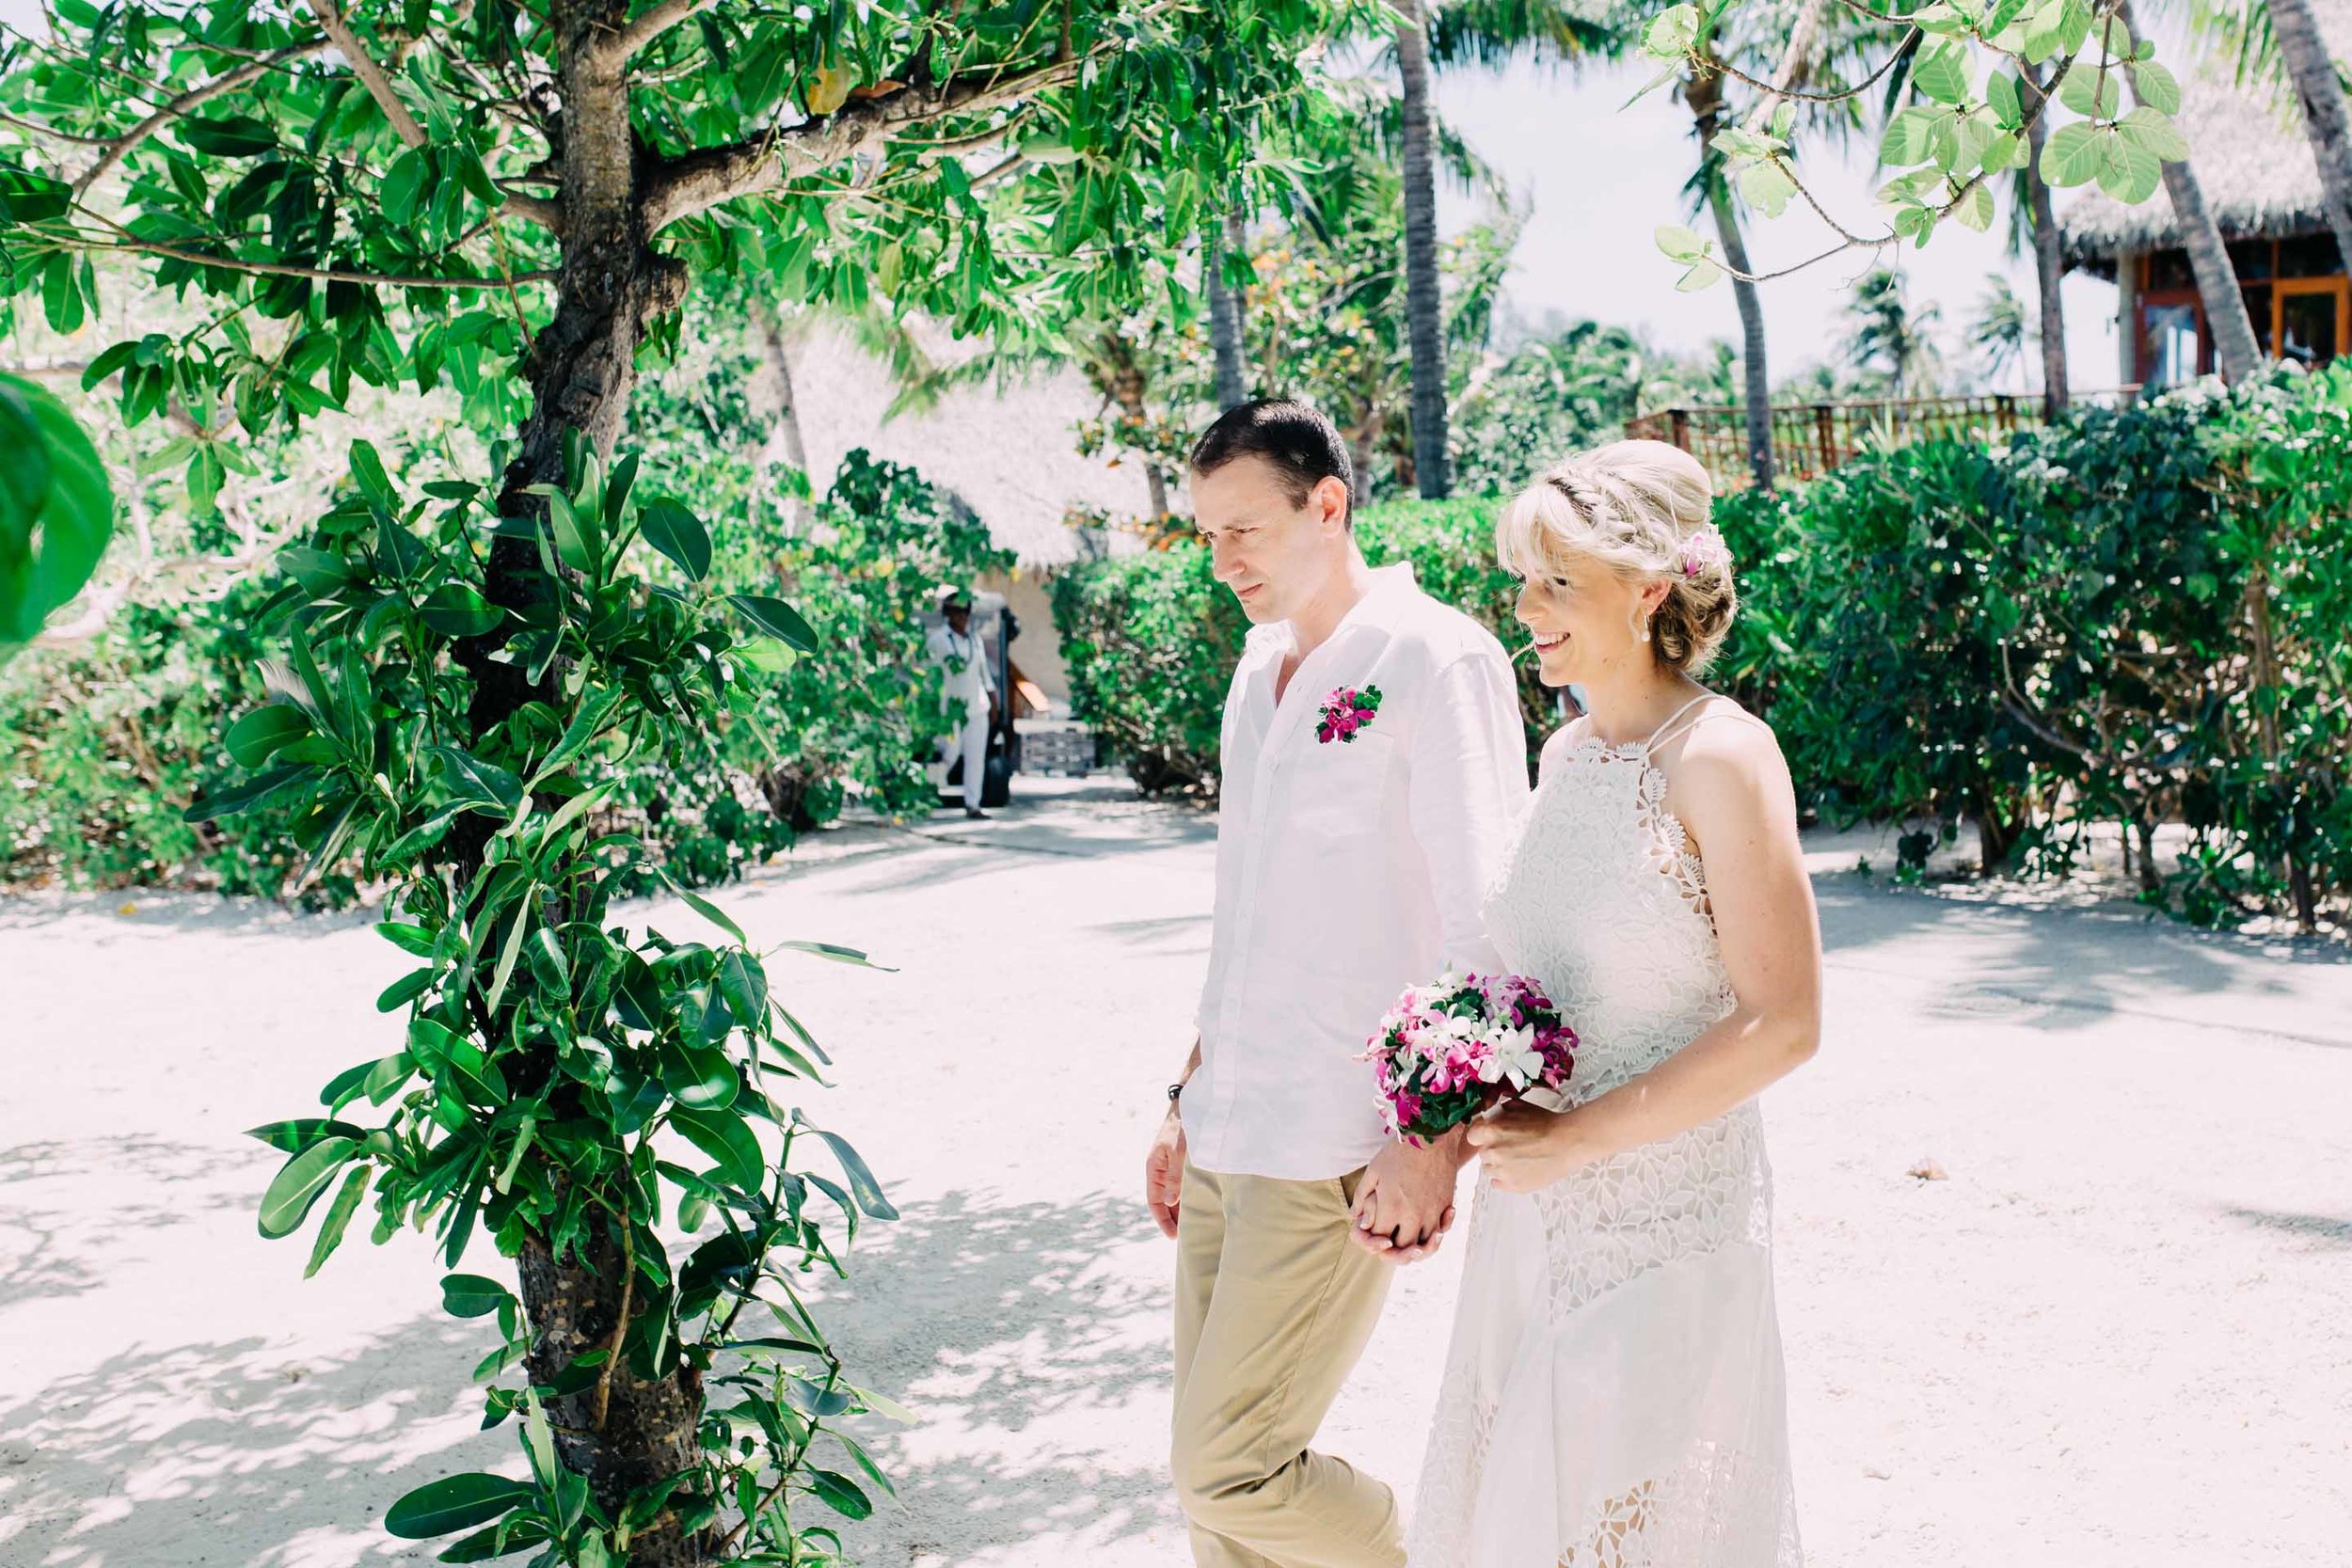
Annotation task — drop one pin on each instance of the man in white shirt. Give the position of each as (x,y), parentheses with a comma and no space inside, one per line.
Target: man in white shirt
(1352,854)
(958,653)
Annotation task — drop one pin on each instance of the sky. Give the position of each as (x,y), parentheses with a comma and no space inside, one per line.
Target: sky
(1599,179)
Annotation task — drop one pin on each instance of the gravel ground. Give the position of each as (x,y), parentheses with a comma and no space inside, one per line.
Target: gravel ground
(2111,1332)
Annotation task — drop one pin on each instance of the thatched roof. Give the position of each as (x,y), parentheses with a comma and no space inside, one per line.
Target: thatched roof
(1009,454)
(2250,155)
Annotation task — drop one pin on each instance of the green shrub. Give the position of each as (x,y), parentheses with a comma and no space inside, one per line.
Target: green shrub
(105,746)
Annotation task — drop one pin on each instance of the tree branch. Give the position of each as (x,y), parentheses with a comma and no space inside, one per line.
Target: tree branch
(695,182)
(119,147)
(371,75)
(645,28)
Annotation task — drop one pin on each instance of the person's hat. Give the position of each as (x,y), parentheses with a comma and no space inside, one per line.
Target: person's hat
(954,598)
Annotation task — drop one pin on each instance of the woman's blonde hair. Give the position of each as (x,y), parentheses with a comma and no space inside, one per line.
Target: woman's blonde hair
(1641,507)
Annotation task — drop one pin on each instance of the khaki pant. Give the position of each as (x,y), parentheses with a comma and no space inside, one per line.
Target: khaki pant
(1273,1306)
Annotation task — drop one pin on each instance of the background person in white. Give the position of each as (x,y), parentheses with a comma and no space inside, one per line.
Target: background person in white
(1346,870)
(958,653)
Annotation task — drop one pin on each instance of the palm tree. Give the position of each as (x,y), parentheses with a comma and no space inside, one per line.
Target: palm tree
(2236,351)
(1218,242)
(1889,334)
(1422,305)
(1488,32)
(1997,333)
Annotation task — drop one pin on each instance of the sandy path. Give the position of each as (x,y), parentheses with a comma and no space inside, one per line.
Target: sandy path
(2115,1336)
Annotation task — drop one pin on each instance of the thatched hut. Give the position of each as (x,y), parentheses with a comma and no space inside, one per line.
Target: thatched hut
(2262,184)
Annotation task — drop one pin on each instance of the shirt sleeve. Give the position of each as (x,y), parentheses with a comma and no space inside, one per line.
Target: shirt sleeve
(1469,778)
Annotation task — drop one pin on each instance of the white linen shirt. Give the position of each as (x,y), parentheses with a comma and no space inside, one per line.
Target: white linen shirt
(964,662)
(1345,872)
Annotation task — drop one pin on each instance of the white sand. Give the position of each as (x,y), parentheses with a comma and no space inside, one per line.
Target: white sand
(2117,1335)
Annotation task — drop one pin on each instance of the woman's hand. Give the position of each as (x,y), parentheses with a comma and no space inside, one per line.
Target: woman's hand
(1525,1148)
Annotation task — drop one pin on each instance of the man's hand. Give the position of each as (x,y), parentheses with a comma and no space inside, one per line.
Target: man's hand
(1164,1172)
(1405,1205)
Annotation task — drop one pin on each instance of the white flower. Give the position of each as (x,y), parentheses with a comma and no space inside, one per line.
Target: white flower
(1514,1057)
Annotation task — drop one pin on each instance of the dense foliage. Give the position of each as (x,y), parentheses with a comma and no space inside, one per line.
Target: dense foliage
(105,745)
(2134,617)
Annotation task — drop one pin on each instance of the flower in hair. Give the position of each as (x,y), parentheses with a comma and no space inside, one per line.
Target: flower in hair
(1703,550)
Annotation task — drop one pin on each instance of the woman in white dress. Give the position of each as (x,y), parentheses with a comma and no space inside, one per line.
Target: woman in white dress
(1613,1393)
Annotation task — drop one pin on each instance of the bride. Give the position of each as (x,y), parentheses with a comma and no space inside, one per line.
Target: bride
(1613,1393)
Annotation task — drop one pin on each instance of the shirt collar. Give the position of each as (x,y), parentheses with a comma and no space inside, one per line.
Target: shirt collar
(1390,585)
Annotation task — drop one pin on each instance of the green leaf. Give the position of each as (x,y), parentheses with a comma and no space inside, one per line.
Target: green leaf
(1975,209)
(2073,155)
(1940,70)
(367,468)
(1671,35)
(2089,92)
(2156,89)
(704,907)
(339,1217)
(454,609)
(500,1540)
(475,783)
(1680,243)
(861,1184)
(835,953)
(700,1077)
(574,540)
(470,1295)
(228,135)
(580,732)
(298,1184)
(841,1494)
(409,938)
(678,534)
(2152,131)
(294,1135)
(2130,174)
(257,736)
(454,1503)
(774,618)
(57,509)
(744,984)
(729,1140)
(406,989)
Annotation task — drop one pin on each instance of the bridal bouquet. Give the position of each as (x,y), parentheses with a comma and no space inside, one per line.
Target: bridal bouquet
(1448,1051)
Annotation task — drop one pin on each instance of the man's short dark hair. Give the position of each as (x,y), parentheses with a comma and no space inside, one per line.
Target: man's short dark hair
(1300,444)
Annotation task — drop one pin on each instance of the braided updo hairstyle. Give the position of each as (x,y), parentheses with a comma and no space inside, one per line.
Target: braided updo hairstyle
(1641,507)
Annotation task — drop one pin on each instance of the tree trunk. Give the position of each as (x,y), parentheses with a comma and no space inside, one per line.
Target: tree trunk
(2236,353)
(1232,390)
(1127,388)
(582,367)
(1705,94)
(2048,264)
(2327,116)
(788,414)
(1423,308)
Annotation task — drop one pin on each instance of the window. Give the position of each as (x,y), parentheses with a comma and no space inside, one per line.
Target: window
(2258,312)
(2172,344)
(2309,255)
(2307,327)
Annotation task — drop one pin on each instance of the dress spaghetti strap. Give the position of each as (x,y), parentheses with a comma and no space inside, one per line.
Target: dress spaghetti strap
(1667,730)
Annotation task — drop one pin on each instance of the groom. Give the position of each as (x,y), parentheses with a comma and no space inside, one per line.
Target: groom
(1372,757)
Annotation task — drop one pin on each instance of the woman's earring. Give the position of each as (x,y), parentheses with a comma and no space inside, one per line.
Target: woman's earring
(1638,625)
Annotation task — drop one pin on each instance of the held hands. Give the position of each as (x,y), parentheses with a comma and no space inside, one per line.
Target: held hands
(1164,1172)
(1525,1148)
(1405,1205)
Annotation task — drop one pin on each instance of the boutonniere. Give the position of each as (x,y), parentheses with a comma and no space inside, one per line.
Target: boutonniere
(1346,711)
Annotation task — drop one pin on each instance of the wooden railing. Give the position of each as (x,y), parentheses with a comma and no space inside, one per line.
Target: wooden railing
(1811,438)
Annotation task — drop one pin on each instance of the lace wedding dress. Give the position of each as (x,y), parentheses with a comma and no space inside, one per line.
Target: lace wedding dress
(1612,1394)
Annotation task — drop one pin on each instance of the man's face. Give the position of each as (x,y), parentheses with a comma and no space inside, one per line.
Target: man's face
(959,619)
(1274,553)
